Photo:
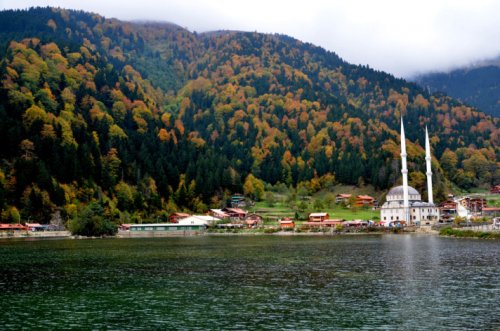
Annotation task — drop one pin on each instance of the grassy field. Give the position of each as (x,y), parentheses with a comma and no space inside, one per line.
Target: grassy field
(279,210)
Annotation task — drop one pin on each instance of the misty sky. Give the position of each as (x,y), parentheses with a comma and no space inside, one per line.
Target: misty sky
(398,36)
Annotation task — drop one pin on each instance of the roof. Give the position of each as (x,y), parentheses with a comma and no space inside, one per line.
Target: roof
(236,210)
(317,214)
(219,212)
(198,220)
(366,197)
(344,195)
(12,226)
(286,222)
(33,224)
(181,214)
(158,225)
(491,208)
(398,190)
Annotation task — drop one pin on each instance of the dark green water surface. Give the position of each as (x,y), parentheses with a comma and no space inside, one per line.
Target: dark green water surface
(390,282)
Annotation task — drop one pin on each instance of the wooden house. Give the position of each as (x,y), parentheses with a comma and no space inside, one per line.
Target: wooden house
(365,201)
(342,198)
(238,200)
(253,220)
(235,213)
(286,223)
(495,189)
(318,217)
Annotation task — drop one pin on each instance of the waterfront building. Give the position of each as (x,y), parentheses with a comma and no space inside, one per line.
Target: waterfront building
(404,205)
(318,217)
(176,217)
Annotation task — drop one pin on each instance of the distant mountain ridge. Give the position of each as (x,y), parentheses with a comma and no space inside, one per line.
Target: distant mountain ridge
(149,117)
(477,85)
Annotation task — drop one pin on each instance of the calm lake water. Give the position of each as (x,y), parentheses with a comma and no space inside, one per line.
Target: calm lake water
(389,282)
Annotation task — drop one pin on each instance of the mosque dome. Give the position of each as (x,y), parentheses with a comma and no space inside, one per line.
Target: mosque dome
(397,194)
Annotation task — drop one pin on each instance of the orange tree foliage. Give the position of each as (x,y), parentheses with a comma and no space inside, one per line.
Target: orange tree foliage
(107,102)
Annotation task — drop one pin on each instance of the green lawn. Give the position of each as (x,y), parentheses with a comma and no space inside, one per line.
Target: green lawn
(279,210)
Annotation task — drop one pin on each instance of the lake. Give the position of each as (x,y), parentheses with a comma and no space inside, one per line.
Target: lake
(387,282)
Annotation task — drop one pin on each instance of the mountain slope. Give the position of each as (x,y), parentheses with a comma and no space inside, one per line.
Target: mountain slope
(148,118)
(478,86)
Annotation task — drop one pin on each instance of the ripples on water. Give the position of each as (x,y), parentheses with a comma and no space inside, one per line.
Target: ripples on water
(392,282)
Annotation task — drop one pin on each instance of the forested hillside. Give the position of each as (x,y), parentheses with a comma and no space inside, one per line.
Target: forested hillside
(477,86)
(150,118)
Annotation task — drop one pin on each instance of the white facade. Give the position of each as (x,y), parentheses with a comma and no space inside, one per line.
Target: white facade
(198,220)
(404,203)
(393,211)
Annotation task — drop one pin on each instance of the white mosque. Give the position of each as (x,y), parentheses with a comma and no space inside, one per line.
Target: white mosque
(404,205)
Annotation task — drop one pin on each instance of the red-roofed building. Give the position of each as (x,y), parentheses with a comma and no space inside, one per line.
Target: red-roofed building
(218,213)
(235,213)
(286,223)
(13,227)
(365,200)
(491,211)
(495,189)
(175,217)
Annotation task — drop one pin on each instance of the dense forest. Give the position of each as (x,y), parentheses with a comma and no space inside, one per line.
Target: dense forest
(146,118)
(478,86)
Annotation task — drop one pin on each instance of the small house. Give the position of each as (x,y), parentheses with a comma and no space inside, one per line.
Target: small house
(286,223)
(235,213)
(238,200)
(342,198)
(318,217)
(365,201)
(253,220)
(495,189)
(33,227)
(491,211)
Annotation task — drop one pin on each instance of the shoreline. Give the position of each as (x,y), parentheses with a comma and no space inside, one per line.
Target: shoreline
(454,233)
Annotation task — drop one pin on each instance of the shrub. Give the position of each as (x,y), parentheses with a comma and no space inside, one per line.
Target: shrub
(91,222)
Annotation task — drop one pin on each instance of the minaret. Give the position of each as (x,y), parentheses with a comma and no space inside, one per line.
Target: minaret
(404,172)
(428,165)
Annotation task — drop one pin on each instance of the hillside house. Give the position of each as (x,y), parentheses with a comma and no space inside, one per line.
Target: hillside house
(495,189)
(473,204)
(238,200)
(447,210)
(343,198)
(364,201)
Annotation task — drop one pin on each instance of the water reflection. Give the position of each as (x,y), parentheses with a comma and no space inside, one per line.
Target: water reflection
(400,282)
